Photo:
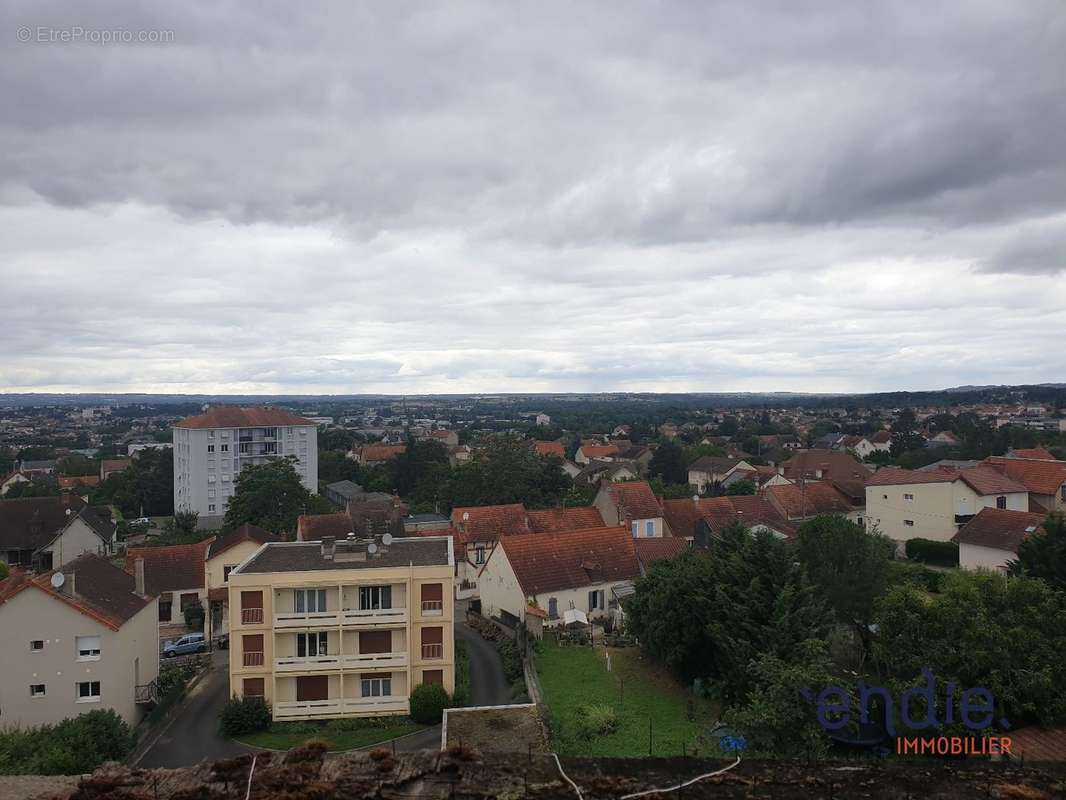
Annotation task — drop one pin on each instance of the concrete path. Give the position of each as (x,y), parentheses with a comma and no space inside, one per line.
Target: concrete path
(191,733)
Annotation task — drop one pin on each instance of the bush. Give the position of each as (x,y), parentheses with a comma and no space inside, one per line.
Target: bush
(428,702)
(929,580)
(597,719)
(944,554)
(462,675)
(512,660)
(4,571)
(243,715)
(74,746)
(194,617)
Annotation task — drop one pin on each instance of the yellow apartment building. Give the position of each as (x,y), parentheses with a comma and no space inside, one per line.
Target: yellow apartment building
(328,629)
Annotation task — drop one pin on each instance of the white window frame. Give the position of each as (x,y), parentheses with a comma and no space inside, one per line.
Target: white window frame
(375,687)
(87,698)
(83,646)
(302,601)
(315,641)
(375,597)
(649,528)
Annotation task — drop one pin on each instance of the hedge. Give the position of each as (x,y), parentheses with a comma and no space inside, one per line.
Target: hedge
(512,660)
(241,715)
(945,554)
(428,702)
(72,747)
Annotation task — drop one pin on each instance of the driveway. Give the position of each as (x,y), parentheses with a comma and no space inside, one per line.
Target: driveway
(190,734)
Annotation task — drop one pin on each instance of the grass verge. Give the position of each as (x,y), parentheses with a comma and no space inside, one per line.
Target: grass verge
(647,703)
(340,734)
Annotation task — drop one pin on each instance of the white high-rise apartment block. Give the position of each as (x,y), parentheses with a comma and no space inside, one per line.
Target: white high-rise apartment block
(212,448)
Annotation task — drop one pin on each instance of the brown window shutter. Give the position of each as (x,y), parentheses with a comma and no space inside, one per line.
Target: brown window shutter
(251,600)
(433,676)
(252,643)
(433,636)
(254,687)
(312,687)
(375,641)
(432,591)
(373,675)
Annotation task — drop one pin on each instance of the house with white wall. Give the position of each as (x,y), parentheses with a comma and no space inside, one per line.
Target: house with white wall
(42,533)
(631,504)
(79,639)
(990,540)
(558,571)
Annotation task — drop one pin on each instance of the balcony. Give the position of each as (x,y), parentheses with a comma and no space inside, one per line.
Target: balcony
(251,616)
(432,651)
(307,663)
(375,616)
(335,707)
(375,661)
(253,658)
(301,619)
(432,608)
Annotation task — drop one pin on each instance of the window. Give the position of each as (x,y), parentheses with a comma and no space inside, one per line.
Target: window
(210,434)
(36,690)
(37,644)
(88,648)
(210,448)
(225,448)
(89,691)
(210,478)
(376,687)
(210,506)
(309,601)
(596,600)
(553,608)
(433,676)
(479,555)
(375,597)
(633,530)
(1001,502)
(165,610)
(311,644)
(226,571)
(649,528)
(909,523)
(908,497)
(254,687)
(189,599)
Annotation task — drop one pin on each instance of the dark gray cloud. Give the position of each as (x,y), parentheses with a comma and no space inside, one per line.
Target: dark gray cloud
(471,195)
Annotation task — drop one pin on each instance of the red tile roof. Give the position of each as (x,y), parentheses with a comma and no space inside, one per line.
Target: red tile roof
(312,527)
(985,480)
(834,464)
(717,512)
(565,519)
(488,523)
(999,529)
(69,482)
(109,465)
(174,568)
(548,562)
(636,498)
(234,417)
(658,549)
(1040,477)
(681,515)
(881,437)
(807,500)
(100,589)
(598,450)
(245,533)
(894,476)
(1038,453)
(380,452)
(549,449)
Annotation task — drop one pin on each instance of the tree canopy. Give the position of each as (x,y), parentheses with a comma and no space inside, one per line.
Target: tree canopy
(1043,554)
(269,495)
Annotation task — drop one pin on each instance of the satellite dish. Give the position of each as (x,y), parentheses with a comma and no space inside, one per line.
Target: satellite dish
(58,579)
(386,539)
(371,548)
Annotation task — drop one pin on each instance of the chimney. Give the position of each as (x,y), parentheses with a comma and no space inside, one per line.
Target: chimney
(328,545)
(138,576)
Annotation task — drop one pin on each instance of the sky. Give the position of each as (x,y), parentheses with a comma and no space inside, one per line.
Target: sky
(423,197)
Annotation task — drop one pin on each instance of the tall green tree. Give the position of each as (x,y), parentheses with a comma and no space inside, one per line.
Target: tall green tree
(1043,553)
(849,565)
(668,463)
(269,495)
(905,433)
(507,470)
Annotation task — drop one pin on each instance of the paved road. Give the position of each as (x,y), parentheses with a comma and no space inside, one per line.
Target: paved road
(192,734)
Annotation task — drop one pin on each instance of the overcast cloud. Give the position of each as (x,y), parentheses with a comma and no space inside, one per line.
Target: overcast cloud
(465,197)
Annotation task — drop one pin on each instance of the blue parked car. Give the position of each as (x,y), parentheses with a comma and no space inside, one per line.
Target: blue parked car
(189,643)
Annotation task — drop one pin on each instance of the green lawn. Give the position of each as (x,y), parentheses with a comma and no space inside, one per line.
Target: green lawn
(638,691)
(340,734)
